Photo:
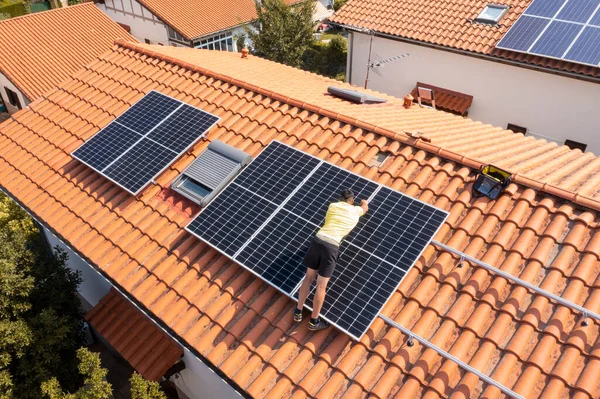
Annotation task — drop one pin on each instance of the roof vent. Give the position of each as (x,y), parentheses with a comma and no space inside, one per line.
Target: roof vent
(427,95)
(491,14)
(354,96)
(379,159)
(210,172)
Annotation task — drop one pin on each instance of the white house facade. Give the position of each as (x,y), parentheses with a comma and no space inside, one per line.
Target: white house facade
(548,105)
(144,25)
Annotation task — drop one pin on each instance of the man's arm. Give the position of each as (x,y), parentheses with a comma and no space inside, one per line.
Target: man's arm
(364,205)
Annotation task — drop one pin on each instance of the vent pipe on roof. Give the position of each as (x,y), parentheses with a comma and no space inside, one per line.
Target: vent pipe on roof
(354,95)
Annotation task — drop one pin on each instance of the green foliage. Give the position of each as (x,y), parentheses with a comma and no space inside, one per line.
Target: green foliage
(327,59)
(94,380)
(337,4)
(4,15)
(284,32)
(240,42)
(40,317)
(144,389)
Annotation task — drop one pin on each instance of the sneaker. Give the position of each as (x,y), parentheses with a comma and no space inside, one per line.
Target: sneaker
(297,315)
(320,324)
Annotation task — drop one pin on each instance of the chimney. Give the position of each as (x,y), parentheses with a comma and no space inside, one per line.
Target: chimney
(408,99)
(244,52)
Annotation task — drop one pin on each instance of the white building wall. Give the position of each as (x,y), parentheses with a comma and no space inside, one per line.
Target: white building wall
(94,287)
(144,25)
(549,105)
(4,82)
(198,381)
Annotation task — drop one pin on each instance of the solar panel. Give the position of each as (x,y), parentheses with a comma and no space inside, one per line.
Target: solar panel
(138,145)
(266,219)
(561,29)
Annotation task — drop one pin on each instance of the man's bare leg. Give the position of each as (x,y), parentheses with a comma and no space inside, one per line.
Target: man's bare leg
(319,297)
(305,287)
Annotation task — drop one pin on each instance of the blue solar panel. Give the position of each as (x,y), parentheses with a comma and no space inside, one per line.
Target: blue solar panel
(586,48)
(561,29)
(544,8)
(556,39)
(103,149)
(596,19)
(523,33)
(578,10)
(148,112)
(269,233)
(144,140)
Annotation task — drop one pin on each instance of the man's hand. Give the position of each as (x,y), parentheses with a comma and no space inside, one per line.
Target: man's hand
(364,205)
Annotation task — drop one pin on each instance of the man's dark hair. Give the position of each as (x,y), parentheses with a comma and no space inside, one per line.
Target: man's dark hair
(346,195)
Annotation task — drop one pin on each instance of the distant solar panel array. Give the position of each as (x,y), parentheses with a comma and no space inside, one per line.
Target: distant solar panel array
(562,29)
(267,217)
(138,145)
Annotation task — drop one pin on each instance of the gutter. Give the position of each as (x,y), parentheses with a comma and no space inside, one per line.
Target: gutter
(567,74)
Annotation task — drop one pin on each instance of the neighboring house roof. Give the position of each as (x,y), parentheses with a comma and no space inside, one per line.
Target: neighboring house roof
(196,18)
(149,350)
(448,23)
(37,51)
(447,100)
(240,324)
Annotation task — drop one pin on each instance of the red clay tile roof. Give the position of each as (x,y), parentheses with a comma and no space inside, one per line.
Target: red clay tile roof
(40,50)
(149,350)
(196,18)
(448,23)
(243,326)
(447,100)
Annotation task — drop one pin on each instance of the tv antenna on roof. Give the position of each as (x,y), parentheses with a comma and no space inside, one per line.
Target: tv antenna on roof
(379,63)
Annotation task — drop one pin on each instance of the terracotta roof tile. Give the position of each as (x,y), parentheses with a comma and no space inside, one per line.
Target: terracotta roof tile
(196,18)
(543,231)
(144,345)
(38,51)
(448,23)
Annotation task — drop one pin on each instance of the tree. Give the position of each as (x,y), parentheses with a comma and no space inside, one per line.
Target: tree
(95,385)
(94,380)
(40,317)
(144,389)
(284,32)
(327,59)
(337,4)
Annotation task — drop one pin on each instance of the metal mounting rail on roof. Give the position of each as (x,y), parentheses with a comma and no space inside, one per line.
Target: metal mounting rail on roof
(585,312)
(448,356)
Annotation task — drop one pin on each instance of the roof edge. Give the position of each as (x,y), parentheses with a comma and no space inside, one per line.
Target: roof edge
(576,198)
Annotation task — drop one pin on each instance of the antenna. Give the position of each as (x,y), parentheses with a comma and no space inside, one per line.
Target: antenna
(379,63)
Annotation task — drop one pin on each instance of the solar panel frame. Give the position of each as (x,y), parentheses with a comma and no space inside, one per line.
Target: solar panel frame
(144,135)
(281,208)
(554,11)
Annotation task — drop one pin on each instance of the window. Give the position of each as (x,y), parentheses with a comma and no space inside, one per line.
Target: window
(13,98)
(491,14)
(574,145)
(147,41)
(176,36)
(516,128)
(222,42)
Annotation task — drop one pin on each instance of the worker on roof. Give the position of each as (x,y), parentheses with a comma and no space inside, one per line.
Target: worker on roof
(341,218)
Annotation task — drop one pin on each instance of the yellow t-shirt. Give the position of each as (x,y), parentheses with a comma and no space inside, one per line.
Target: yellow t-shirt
(340,219)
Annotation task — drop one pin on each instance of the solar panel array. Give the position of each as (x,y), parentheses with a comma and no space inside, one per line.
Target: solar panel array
(561,29)
(267,217)
(138,145)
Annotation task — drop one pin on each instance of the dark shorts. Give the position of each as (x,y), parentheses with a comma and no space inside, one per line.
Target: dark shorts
(321,256)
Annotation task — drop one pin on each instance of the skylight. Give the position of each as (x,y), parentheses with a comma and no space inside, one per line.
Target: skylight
(492,14)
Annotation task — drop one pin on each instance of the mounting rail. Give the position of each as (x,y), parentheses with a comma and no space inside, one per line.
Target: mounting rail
(464,257)
(411,335)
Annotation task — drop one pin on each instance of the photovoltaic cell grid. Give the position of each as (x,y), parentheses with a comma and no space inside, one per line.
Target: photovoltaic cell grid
(561,29)
(137,146)
(266,219)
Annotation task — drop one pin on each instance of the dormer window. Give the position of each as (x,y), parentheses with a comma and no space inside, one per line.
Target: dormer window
(491,14)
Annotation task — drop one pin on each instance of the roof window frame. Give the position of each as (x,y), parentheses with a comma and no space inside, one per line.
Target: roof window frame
(487,21)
